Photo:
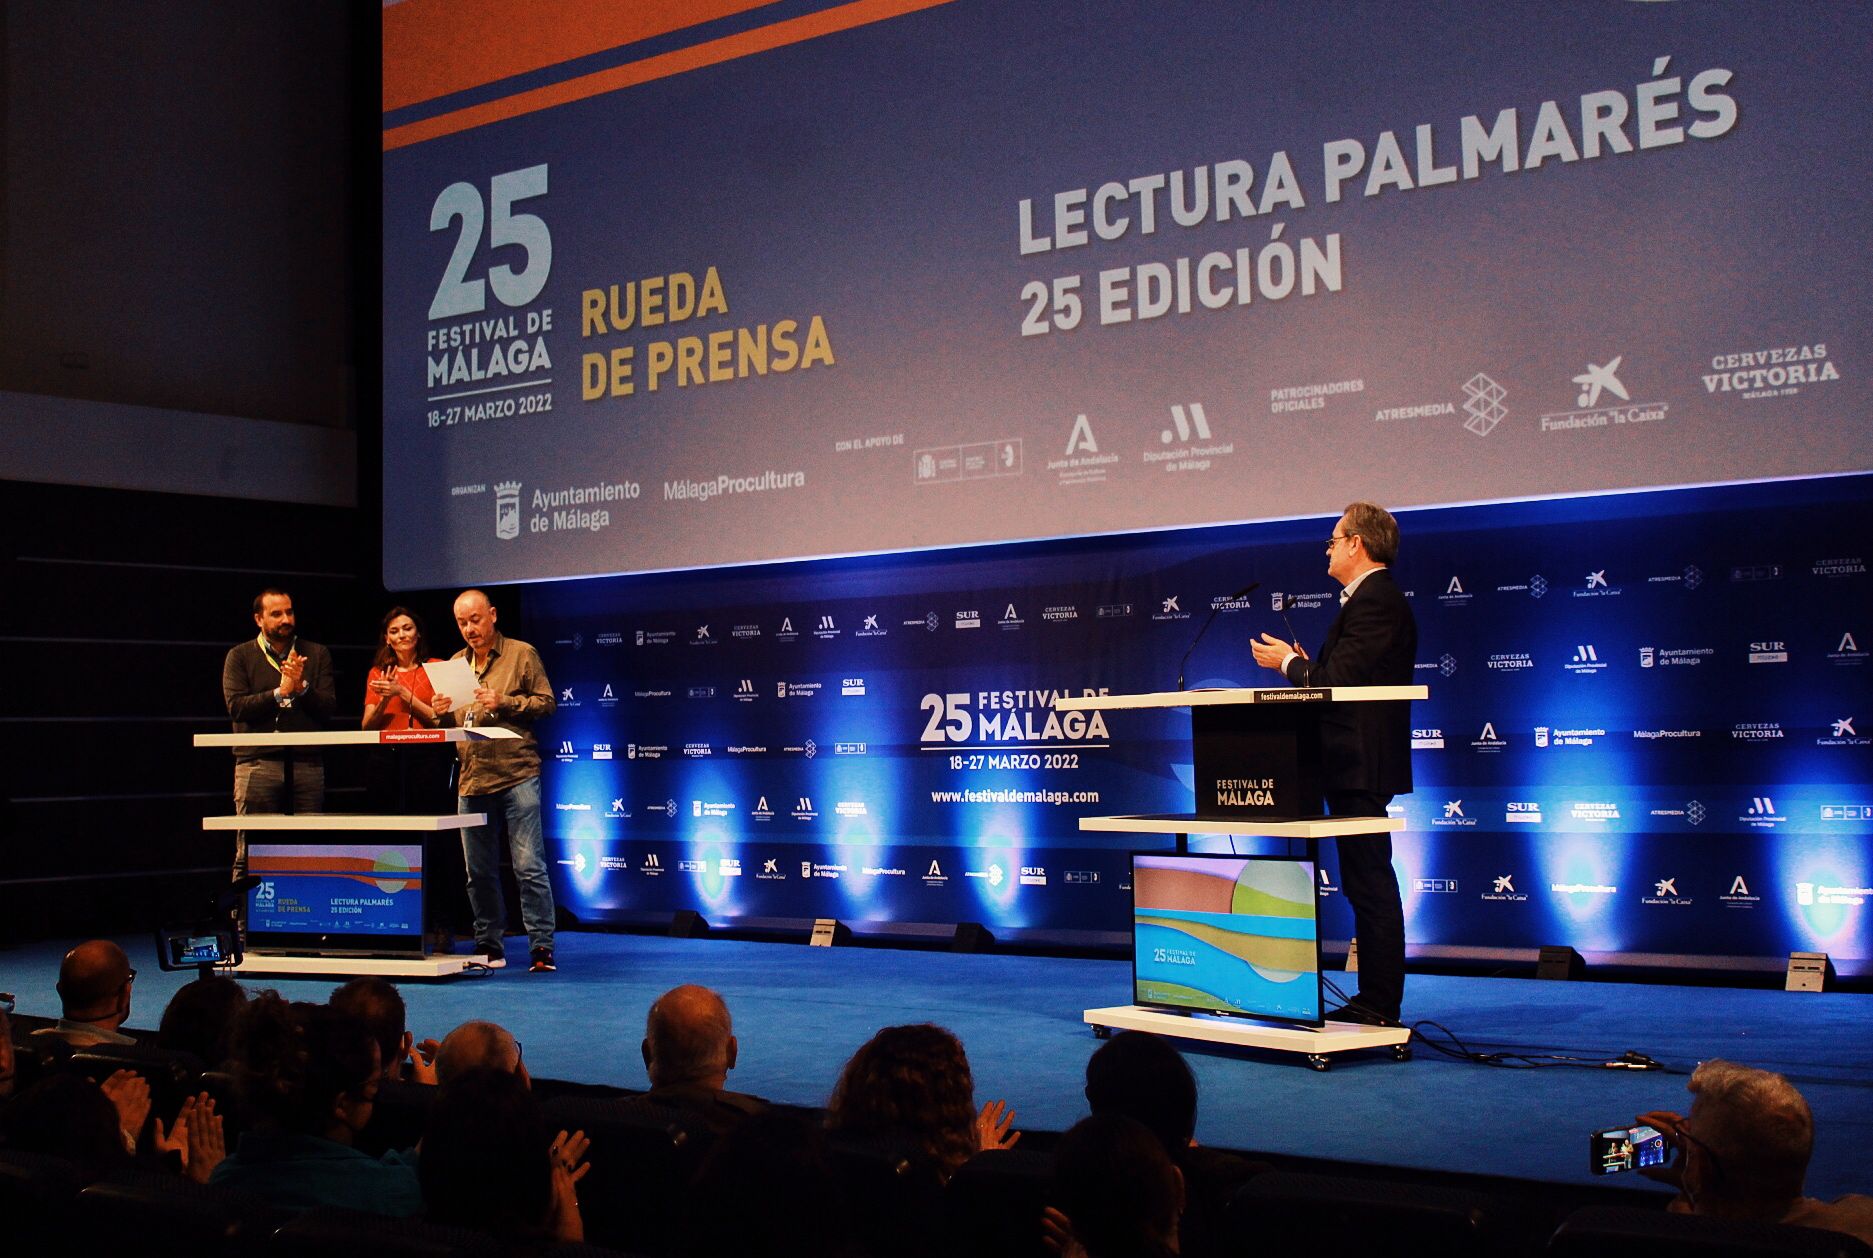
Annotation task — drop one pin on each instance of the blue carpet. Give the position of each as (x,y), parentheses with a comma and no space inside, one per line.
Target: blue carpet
(799,1012)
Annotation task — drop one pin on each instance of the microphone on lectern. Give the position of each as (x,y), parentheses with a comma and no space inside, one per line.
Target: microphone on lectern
(1242,593)
(1307,665)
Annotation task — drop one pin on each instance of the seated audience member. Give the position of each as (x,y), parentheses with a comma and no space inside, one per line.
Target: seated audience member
(94,985)
(67,1116)
(1143,1077)
(787,1200)
(914,1081)
(308,1076)
(1742,1153)
(488,1165)
(200,1018)
(378,1004)
(479,1046)
(689,1048)
(1118,1191)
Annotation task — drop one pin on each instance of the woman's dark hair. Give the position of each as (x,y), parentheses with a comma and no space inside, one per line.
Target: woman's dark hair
(293,1062)
(486,1160)
(385,657)
(914,1080)
(67,1116)
(200,1019)
(786,1200)
(1117,1187)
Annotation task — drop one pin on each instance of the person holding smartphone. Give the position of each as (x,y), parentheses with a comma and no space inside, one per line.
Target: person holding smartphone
(1743,1150)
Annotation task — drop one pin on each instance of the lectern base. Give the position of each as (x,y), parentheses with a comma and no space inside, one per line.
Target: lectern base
(354,967)
(1319,1047)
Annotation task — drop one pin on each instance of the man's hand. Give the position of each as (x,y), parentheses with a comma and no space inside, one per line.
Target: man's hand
(992,1127)
(1667,1122)
(1269,651)
(490,700)
(569,1167)
(565,1223)
(568,1151)
(176,1140)
(293,674)
(1056,1231)
(207,1141)
(422,1059)
(197,1137)
(130,1093)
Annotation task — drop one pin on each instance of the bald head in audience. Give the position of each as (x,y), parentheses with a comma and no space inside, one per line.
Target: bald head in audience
(479,1046)
(689,1039)
(94,984)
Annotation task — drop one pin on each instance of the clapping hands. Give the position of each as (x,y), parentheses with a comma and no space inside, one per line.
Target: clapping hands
(198,1137)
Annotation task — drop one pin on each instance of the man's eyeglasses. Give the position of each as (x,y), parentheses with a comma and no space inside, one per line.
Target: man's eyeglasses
(1716,1164)
(1339,537)
(133,975)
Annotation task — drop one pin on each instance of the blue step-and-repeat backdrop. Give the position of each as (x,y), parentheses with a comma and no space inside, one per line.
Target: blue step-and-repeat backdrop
(1641,737)
(951,355)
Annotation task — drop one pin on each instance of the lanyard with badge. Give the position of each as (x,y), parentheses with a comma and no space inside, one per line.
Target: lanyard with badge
(278,663)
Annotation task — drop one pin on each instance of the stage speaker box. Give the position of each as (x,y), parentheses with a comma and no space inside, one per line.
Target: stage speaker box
(971,937)
(1808,972)
(688,924)
(1559,961)
(828,931)
(1352,955)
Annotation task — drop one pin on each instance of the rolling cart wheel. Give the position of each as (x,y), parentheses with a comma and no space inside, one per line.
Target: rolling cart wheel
(1401,1052)
(1319,1061)
(1102,1032)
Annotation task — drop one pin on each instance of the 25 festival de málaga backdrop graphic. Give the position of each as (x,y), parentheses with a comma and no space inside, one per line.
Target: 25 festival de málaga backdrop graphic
(808,279)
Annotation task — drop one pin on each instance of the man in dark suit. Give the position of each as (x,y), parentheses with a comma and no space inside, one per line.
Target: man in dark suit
(1366,746)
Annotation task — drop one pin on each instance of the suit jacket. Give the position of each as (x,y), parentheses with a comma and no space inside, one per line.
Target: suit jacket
(1373,642)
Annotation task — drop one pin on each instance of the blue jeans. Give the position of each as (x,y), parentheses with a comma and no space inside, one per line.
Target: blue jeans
(517,810)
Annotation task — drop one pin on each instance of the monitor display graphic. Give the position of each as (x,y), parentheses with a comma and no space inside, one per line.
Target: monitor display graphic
(1226,934)
(363,896)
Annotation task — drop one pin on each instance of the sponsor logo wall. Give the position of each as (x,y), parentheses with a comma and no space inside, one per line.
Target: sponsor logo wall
(911,767)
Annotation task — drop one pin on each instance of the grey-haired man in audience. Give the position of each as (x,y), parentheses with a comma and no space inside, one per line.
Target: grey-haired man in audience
(1742,1153)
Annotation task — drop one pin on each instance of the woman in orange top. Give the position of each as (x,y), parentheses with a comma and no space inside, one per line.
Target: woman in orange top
(398,693)
(414,779)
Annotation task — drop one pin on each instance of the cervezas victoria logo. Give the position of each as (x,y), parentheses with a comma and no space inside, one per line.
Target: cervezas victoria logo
(1770,371)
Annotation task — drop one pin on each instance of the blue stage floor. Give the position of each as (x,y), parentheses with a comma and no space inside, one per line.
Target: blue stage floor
(799,1012)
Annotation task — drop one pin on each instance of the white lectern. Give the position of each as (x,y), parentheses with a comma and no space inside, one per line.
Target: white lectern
(338,963)
(1258,773)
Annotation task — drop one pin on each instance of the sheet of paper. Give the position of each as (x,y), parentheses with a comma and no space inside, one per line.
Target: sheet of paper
(455,678)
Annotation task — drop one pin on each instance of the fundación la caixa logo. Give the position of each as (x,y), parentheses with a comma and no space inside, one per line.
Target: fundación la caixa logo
(1598,380)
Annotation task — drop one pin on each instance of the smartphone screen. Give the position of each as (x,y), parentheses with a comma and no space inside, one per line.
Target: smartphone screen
(1625,1148)
(185,950)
